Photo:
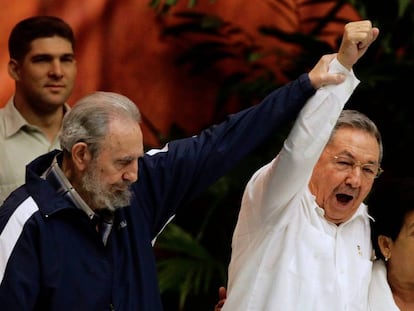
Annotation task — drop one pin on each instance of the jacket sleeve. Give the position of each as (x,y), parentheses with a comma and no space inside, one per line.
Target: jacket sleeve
(184,168)
(19,260)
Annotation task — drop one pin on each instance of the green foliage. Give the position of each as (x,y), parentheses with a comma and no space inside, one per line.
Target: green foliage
(186,263)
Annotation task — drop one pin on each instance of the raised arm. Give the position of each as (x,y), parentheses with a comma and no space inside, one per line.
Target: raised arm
(290,173)
(357,37)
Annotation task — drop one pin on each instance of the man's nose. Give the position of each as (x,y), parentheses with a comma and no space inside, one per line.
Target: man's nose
(355,176)
(56,69)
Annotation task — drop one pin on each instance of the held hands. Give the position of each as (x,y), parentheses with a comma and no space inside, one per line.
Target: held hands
(319,75)
(357,37)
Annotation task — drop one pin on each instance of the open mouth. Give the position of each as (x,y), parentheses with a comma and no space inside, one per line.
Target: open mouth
(344,198)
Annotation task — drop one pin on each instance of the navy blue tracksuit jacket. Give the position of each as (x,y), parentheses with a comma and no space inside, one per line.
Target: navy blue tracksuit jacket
(52,258)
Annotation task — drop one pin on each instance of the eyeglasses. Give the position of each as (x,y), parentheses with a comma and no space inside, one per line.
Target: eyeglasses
(345,164)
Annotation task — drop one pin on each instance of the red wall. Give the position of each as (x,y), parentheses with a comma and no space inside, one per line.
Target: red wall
(119,48)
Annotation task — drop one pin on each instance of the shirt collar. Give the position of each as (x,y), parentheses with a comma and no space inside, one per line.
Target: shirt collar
(55,176)
(360,213)
(14,121)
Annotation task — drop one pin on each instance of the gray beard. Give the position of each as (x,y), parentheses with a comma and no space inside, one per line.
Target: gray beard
(101,197)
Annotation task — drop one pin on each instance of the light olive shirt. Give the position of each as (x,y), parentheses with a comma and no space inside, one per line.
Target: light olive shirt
(20,143)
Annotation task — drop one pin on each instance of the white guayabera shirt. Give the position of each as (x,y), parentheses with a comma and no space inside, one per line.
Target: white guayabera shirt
(286,255)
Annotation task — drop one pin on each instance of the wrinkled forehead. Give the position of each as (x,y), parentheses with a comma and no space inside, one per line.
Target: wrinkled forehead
(123,133)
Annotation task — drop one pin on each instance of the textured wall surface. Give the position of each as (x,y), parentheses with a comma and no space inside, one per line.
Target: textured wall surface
(120,48)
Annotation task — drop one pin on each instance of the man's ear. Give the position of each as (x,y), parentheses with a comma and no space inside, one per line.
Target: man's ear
(81,155)
(13,68)
(385,244)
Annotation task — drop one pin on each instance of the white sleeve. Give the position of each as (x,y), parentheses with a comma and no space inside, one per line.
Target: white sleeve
(275,184)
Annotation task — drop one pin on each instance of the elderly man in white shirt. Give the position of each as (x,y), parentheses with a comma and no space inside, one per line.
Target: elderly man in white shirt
(302,241)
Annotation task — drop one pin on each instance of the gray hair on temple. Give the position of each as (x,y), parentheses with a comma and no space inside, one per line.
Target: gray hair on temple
(89,119)
(358,120)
